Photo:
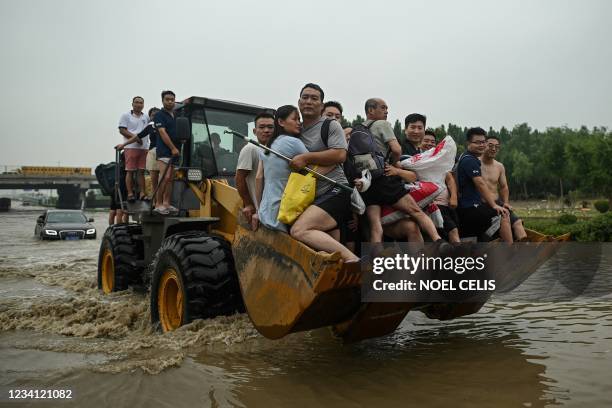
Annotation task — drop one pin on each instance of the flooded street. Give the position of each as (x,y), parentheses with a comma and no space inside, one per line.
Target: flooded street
(58,331)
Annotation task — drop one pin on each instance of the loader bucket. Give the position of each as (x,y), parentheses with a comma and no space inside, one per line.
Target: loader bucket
(288,287)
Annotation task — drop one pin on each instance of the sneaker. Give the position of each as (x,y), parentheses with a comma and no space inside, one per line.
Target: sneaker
(173,210)
(444,248)
(161,211)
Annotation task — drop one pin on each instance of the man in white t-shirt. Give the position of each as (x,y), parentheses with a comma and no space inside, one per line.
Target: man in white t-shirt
(130,124)
(248,161)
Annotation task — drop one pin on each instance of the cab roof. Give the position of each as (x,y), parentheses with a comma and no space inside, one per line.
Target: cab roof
(225,105)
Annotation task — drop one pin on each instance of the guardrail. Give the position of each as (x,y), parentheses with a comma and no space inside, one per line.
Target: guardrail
(46,170)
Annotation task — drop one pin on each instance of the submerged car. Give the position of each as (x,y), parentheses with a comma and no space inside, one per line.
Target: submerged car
(64,224)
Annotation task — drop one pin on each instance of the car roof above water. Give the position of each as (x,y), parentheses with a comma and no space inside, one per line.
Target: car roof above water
(66,211)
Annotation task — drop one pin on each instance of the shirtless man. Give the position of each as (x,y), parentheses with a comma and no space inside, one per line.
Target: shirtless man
(494,175)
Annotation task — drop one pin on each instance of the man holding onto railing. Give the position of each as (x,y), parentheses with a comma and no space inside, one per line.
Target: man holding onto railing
(130,124)
(167,153)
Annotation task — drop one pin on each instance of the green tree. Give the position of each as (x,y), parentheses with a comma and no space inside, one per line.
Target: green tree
(344,123)
(398,132)
(555,161)
(357,120)
(522,170)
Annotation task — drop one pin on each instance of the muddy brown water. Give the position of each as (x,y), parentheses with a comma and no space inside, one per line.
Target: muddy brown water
(58,332)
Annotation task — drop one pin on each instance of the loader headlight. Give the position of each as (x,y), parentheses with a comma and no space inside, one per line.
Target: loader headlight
(91,231)
(50,232)
(194,175)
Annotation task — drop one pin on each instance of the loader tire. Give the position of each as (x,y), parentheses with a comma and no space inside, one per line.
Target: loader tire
(193,277)
(119,255)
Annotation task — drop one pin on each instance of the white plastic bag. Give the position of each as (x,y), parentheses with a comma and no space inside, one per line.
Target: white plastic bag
(433,164)
(357,203)
(366,180)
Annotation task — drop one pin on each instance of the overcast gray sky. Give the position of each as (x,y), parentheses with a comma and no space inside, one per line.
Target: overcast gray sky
(70,68)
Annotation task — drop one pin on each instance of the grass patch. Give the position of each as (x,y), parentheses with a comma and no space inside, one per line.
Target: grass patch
(551,209)
(594,229)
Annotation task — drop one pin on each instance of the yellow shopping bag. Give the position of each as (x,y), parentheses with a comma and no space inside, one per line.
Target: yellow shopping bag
(298,195)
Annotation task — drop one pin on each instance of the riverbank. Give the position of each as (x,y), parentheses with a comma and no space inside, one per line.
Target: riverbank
(585,223)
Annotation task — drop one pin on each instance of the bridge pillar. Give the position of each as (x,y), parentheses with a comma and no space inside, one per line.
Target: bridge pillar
(69,197)
(82,198)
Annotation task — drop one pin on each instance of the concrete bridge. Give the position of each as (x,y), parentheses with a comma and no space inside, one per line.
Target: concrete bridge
(71,188)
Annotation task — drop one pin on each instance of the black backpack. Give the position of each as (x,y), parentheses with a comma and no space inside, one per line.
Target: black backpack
(363,154)
(105,173)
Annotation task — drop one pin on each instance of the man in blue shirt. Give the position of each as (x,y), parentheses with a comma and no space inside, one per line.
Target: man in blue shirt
(167,153)
(477,208)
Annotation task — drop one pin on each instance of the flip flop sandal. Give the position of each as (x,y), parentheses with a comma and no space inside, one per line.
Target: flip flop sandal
(161,211)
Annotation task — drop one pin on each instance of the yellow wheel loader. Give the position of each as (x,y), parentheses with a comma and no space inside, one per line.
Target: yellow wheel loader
(206,262)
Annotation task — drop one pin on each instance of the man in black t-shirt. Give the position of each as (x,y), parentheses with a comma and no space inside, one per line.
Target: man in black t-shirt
(414,131)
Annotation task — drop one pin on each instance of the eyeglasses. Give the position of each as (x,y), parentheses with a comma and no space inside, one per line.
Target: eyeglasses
(493,146)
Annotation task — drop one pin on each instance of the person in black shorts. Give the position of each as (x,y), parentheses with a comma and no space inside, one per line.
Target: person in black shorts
(494,174)
(389,189)
(116,214)
(318,226)
(451,223)
(477,209)
(167,153)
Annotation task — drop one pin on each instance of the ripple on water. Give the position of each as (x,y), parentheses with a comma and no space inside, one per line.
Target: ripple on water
(509,354)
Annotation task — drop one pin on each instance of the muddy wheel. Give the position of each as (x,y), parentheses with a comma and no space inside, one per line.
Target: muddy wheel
(193,278)
(118,261)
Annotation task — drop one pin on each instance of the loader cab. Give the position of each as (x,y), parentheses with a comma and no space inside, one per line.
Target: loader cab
(208,146)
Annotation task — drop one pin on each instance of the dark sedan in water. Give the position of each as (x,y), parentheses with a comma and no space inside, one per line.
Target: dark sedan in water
(64,224)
